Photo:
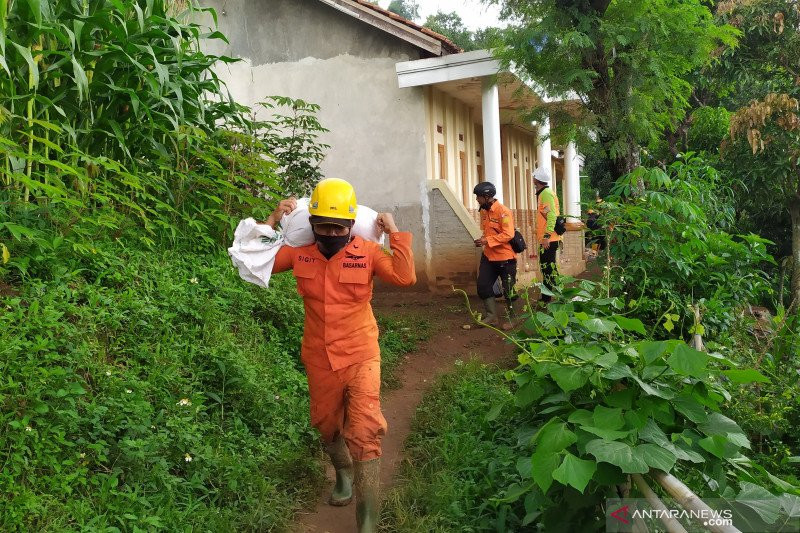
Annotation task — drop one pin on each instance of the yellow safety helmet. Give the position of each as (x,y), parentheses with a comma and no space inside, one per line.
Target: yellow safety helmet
(333,198)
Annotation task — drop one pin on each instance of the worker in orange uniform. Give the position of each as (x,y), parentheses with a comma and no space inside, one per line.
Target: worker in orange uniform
(340,337)
(498,259)
(547,211)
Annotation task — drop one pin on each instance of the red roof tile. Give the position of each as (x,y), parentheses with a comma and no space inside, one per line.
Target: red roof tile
(447,44)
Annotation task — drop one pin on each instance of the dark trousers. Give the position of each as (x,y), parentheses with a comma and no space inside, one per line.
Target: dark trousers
(547,262)
(489,271)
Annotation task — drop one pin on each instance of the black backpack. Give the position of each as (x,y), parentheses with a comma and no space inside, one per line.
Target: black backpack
(561,226)
(517,242)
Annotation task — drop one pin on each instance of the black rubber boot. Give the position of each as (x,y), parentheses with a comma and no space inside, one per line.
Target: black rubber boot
(340,457)
(367,485)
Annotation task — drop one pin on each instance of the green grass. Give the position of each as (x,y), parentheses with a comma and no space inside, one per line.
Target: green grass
(155,390)
(112,381)
(456,459)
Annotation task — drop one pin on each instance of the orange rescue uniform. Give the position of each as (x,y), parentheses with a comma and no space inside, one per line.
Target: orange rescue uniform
(340,336)
(497,224)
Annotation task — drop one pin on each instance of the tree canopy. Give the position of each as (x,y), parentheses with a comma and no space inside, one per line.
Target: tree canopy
(626,61)
(405,8)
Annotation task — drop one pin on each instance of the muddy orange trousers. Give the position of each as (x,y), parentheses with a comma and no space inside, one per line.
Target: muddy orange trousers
(347,402)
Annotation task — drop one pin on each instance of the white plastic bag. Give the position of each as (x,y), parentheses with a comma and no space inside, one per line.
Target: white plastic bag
(253,251)
(256,245)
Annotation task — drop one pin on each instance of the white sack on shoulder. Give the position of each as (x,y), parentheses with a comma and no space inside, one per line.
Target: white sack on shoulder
(297,229)
(253,251)
(295,226)
(256,245)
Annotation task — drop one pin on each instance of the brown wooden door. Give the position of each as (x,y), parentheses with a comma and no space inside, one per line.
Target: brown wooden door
(442,162)
(465,188)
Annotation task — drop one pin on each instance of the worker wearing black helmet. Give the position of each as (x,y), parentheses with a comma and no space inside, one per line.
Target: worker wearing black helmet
(498,260)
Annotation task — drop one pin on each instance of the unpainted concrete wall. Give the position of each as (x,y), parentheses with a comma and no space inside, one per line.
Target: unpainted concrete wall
(306,49)
(455,258)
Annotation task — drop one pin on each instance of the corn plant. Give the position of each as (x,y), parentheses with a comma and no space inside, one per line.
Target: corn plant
(110,114)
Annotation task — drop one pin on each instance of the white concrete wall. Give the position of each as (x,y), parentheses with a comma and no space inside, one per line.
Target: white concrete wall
(308,50)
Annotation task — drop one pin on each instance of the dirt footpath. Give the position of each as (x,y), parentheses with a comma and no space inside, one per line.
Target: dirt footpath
(449,342)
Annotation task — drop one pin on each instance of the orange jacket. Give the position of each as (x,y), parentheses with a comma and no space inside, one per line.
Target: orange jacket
(547,210)
(497,224)
(339,328)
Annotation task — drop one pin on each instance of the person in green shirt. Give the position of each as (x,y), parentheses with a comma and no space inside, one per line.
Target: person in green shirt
(547,211)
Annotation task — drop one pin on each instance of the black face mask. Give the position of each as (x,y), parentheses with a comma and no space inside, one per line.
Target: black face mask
(329,245)
(486,205)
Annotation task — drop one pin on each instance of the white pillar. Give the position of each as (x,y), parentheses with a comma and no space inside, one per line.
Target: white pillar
(544,157)
(572,183)
(492,159)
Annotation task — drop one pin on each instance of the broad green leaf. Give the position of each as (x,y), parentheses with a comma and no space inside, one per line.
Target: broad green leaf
(779,483)
(790,504)
(618,371)
(635,420)
(619,454)
(690,408)
(608,418)
(746,376)
(524,467)
(599,325)
(544,463)
(606,359)
(718,424)
(575,472)
(529,393)
(652,350)
(622,398)
(718,446)
(76,389)
(554,437)
(581,417)
(759,499)
(570,378)
(656,456)
(608,434)
(653,390)
(687,361)
(582,352)
(652,433)
(684,452)
(630,324)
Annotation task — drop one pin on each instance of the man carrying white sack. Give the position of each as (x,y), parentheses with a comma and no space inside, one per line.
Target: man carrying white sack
(340,337)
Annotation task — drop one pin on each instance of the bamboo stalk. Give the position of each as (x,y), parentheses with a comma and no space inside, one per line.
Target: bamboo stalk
(639,526)
(672,524)
(688,499)
(697,340)
(29,162)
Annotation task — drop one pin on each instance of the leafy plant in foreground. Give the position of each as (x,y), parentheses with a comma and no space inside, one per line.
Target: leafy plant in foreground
(671,249)
(602,401)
